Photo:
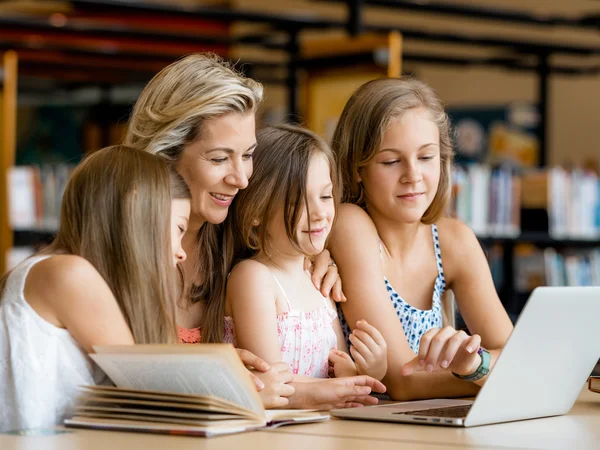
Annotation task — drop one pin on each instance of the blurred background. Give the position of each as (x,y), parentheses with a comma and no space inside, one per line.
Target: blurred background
(520,78)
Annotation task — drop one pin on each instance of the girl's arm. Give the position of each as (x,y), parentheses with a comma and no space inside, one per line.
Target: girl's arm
(68,292)
(361,269)
(251,297)
(471,281)
(469,277)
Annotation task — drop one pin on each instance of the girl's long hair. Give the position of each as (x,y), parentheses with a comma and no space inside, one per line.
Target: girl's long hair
(116,213)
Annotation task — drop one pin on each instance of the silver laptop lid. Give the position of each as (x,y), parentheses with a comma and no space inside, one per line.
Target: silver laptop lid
(548,357)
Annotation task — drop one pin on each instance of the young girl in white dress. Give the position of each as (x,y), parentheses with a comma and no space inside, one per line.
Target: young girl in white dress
(108,278)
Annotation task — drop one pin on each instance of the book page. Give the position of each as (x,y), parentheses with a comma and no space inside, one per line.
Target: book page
(276,416)
(198,374)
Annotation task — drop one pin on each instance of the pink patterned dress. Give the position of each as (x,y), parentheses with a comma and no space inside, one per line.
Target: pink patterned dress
(305,337)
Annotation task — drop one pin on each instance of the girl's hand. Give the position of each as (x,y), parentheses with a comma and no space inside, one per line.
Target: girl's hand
(446,349)
(369,350)
(325,276)
(341,364)
(276,390)
(332,393)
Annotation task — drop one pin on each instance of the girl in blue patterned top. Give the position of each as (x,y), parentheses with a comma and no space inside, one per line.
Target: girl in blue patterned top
(394,152)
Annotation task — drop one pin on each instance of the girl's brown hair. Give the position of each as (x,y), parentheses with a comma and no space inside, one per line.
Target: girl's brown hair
(363,122)
(167,117)
(116,213)
(282,158)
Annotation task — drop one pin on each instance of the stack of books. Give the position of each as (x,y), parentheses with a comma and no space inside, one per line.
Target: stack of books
(197,390)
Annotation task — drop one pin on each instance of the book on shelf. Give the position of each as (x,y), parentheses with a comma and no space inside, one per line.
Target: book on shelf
(198,390)
(572,268)
(573,204)
(488,200)
(594,384)
(35,195)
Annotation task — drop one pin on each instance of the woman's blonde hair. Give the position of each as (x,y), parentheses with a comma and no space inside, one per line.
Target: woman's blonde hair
(282,158)
(169,115)
(171,109)
(361,127)
(116,214)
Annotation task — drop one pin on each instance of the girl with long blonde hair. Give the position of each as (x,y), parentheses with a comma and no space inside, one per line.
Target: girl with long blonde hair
(394,152)
(108,278)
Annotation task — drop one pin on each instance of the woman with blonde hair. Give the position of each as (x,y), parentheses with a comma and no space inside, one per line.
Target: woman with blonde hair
(394,152)
(199,114)
(108,278)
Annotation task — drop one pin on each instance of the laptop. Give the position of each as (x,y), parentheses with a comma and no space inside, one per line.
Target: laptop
(541,371)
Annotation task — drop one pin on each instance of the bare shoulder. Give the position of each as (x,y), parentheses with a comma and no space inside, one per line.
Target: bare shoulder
(456,231)
(249,271)
(65,285)
(247,279)
(352,221)
(350,214)
(63,274)
(354,245)
(458,243)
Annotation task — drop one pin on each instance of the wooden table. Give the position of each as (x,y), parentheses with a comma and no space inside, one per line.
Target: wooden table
(580,429)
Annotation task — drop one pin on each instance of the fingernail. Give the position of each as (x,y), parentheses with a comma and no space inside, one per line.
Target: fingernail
(470,349)
(421,362)
(429,368)
(444,364)
(260,385)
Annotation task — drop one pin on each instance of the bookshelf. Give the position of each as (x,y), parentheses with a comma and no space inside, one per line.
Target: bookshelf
(537,226)
(540,238)
(8,127)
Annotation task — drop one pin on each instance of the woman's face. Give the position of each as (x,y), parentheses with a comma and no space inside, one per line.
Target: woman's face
(218,164)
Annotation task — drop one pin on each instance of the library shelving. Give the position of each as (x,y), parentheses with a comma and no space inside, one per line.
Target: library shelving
(79,46)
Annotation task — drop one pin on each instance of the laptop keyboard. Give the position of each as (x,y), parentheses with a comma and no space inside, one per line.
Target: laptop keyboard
(451,411)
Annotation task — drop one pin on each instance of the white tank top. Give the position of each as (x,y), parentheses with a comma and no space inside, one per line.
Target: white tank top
(41,365)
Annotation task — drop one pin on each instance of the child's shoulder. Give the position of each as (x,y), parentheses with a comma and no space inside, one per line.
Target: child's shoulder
(454,233)
(63,278)
(64,270)
(349,211)
(352,218)
(457,242)
(62,281)
(249,272)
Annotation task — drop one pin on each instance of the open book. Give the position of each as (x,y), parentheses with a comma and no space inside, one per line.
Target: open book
(594,384)
(202,390)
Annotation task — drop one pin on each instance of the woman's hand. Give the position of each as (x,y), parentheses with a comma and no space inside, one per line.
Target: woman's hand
(251,361)
(341,364)
(368,350)
(446,349)
(325,276)
(333,393)
(276,390)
